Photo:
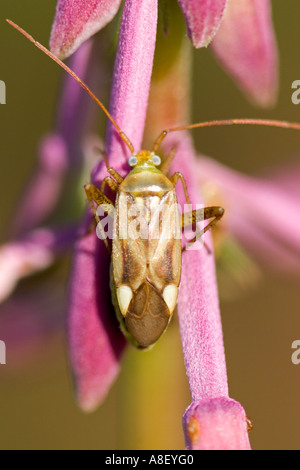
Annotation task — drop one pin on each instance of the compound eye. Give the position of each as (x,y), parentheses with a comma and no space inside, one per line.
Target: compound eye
(156,160)
(132,160)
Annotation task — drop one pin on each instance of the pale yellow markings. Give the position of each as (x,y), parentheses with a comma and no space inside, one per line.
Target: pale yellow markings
(124,294)
(170,297)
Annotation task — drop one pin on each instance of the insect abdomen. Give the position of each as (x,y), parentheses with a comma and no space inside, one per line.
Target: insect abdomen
(147,316)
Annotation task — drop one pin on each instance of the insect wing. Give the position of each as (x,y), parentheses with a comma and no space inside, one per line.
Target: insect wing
(129,256)
(146,263)
(165,243)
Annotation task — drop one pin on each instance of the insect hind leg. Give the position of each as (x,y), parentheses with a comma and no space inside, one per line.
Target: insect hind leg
(94,194)
(191,218)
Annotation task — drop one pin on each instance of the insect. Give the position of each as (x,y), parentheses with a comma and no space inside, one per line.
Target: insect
(146,268)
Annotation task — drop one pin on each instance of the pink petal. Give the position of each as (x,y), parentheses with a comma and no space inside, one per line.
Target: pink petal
(77,20)
(20,260)
(32,254)
(77,110)
(262,214)
(287,178)
(75,105)
(95,340)
(216,424)
(28,322)
(59,152)
(132,75)
(203,18)
(213,421)
(44,188)
(246,46)
(198,304)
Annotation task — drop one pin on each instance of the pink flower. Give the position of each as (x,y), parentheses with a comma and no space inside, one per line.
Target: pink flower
(35,249)
(262,213)
(244,39)
(95,335)
(129,103)
(203,19)
(213,420)
(211,409)
(30,254)
(95,341)
(216,424)
(76,21)
(245,45)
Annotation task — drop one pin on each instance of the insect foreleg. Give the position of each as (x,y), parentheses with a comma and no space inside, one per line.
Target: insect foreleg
(94,194)
(115,174)
(192,217)
(165,166)
(110,170)
(111,183)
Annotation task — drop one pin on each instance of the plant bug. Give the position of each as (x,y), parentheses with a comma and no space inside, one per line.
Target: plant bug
(146,268)
(145,271)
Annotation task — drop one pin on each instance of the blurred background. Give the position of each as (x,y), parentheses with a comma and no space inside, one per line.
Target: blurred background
(144,407)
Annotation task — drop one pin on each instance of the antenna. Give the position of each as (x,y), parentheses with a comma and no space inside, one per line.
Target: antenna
(227,122)
(162,135)
(84,86)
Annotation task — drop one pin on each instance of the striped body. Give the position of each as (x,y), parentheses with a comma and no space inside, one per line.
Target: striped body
(146,255)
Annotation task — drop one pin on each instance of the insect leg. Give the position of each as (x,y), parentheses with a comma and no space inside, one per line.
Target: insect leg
(179,176)
(165,166)
(115,174)
(111,183)
(94,194)
(110,170)
(174,180)
(189,218)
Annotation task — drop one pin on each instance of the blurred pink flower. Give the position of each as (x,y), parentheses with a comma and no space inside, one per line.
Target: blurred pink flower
(130,90)
(35,249)
(96,335)
(243,31)
(95,341)
(246,47)
(261,213)
(30,254)
(44,189)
